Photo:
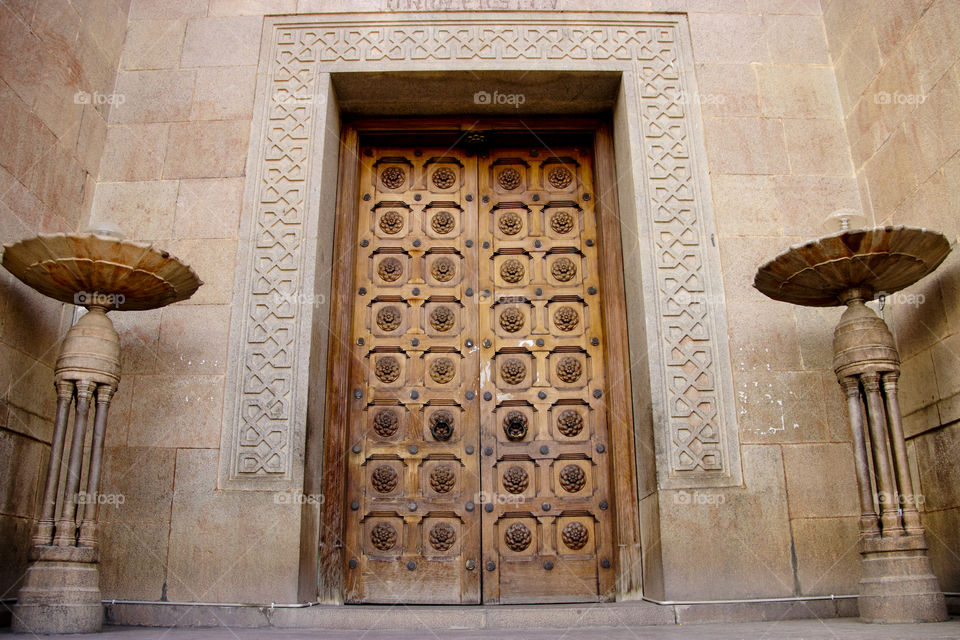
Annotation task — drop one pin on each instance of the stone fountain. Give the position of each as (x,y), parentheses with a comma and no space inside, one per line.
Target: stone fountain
(102,272)
(850,268)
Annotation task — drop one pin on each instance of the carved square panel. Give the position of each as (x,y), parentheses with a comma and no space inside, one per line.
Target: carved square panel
(566,318)
(442,423)
(512,270)
(517,482)
(510,223)
(391,220)
(559,175)
(512,320)
(572,478)
(440,478)
(568,370)
(442,317)
(386,422)
(443,268)
(509,177)
(389,317)
(390,269)
(442,369)
(563,221)
(443,175)
(393,175)
(441,537)
(389,369)
(570,422)
(564,269)
(576,536)
(383,536)
(515,371)
(516,423)
(384,478)
(442,220)
(518,537)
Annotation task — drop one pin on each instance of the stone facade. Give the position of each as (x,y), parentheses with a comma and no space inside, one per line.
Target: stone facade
(786,129)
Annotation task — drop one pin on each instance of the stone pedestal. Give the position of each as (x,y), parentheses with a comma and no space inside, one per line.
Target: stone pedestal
(59,597)
(897,582)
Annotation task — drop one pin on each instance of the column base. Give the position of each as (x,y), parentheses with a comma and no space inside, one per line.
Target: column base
(897,584)
(59,597)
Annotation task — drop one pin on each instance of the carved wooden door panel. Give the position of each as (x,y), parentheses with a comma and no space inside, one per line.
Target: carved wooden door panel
(546,524)
(478,440)
(412,526)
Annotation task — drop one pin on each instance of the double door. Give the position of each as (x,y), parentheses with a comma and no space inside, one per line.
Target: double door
(477,451)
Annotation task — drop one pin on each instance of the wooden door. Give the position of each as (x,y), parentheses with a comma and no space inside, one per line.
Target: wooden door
(478,459)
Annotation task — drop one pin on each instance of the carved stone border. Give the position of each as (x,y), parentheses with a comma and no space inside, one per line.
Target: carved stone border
(263,433)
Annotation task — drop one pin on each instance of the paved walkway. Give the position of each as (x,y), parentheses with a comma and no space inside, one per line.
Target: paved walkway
(790,629)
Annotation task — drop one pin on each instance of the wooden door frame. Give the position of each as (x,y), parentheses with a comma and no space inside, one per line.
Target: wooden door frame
(619,408)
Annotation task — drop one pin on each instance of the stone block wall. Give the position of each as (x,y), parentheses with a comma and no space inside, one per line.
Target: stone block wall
(58,59)
(899,80)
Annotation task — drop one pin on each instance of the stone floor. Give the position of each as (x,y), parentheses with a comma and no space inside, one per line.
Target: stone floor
(788,629)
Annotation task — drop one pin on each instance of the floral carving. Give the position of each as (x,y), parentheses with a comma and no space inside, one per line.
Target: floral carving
(511,319)
(561,221)
(564,269)
(516,480)
(509,178)
(391,222)
(513,370)
(383,536)
(559,177)
(441,425)
(572,478)
(387,369)
(384,478)
(570,422)
(393,177)
(389,318)
(574,535)
(510,223)
(442,318)
(443,269)
(442,478)
(517,536)
(515,425)
(442,222)
(390,269)
(442,536)
(566,318)
(386,422)
(442,370)
(512,270)
(569,369)
(444,177)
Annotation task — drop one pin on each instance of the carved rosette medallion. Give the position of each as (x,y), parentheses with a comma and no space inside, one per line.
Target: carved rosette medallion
(566,318)
(442,370)
(442,478)
(513,370)
(574,535)
(393,177)
(384,478)
(510,223)
(441,425)
(509,179)
(390,269)
(564,269)
(443,269)
(383,536)
(517,536)
(570,423)
(387,369)
(391,222)
(511,319)
(516,480)
(442,222)
(512,270)
(386,422)
(444,177)
(569,369)
(389,318)
(515,425)
(572,478)
(559,177)
(442,536)
(561,222)
(442,318)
